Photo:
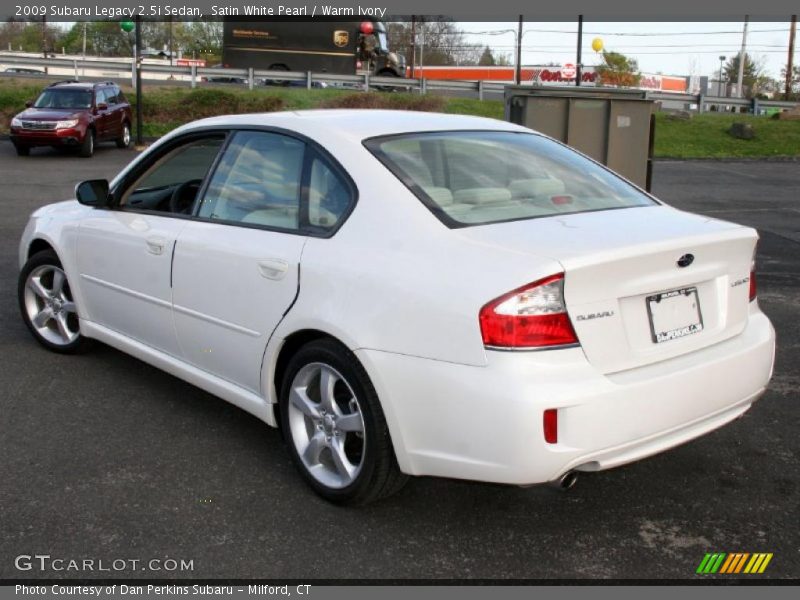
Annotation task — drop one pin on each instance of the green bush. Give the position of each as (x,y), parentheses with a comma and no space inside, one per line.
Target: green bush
(387,101)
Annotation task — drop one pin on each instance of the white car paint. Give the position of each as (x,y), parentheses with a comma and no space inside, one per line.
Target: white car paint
(403,292)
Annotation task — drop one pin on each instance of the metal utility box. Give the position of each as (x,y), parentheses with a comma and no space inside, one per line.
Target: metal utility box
(615,127)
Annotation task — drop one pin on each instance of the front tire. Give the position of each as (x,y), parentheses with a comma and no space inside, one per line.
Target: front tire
(124,139)
(334,426)
(22,150)
(47,304)
(87,146)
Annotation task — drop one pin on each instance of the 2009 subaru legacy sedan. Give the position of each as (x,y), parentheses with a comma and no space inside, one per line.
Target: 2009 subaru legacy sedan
(409,294)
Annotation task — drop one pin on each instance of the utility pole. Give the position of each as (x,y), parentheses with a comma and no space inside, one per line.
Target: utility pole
(790,61)
(518,74)
(44,36)
(742,55)
(44,39)
(83,54)
(137,59)
(422,51)
(171,41)
(580,52)
(413,43)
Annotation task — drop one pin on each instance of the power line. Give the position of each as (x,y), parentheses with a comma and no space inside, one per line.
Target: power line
(625,47)
(608,33)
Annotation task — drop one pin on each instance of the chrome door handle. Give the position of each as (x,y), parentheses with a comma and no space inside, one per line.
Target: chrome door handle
(156,245)
(273,268)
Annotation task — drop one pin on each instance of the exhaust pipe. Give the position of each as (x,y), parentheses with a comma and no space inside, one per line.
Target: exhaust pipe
(566,481)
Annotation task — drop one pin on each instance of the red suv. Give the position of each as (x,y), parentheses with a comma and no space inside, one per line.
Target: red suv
(74,114)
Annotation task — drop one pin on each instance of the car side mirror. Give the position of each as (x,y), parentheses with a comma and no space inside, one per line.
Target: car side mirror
(93,192)
(102,106)
(29,103)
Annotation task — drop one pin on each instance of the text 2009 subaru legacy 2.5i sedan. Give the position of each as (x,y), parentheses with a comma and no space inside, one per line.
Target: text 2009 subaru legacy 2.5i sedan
(409,294)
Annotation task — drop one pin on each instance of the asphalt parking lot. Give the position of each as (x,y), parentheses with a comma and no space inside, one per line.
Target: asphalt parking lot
(104,457)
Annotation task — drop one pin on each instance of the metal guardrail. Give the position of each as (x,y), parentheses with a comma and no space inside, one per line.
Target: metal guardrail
(192,76)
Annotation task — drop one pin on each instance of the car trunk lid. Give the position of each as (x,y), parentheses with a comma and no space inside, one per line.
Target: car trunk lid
(629,300)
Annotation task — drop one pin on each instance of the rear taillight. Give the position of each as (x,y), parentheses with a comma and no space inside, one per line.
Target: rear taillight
(533,316)
(753,286)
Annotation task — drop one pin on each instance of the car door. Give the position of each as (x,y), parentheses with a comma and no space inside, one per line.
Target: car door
(124,255)
(100,114)
(114,123)
(236,265)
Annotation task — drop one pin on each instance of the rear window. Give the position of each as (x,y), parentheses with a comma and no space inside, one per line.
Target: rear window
(478,177)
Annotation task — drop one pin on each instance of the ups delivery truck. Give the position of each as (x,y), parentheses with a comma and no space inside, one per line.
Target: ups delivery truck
(321,46)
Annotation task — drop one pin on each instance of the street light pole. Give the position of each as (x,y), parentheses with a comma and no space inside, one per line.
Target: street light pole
(721,60)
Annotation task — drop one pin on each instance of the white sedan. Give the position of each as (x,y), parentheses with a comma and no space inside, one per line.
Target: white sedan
(409,294)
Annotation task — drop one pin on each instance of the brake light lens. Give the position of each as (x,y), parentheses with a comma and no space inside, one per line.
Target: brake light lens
(753,285)
(533,316)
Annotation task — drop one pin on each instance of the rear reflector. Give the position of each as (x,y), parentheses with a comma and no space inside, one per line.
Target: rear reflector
(533,316)
(550,423)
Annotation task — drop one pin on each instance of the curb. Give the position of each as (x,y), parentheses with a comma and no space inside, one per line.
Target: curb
(730,159)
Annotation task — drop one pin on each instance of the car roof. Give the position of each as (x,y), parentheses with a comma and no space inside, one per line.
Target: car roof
(356,123)
(79,85)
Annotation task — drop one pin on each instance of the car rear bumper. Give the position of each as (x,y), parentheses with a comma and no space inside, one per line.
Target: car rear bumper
(57,137)
(486,423)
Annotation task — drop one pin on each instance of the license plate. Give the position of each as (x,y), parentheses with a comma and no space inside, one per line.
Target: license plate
(674,314)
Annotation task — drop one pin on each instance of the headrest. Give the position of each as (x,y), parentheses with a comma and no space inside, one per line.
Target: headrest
(531,188)
(482,195)
(442,196)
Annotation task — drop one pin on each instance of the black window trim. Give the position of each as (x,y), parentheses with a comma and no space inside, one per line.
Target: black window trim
(372,144)
(312,149)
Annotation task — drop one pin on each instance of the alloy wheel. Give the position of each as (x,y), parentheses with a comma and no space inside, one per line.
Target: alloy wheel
(49,305)
(327,426)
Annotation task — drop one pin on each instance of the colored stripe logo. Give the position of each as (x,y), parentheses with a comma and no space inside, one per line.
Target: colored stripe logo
(734,563)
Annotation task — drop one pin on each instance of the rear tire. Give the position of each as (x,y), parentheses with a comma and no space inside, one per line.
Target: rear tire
(47,305)
(339,440)
(124,139)
(273,81)
(87,146)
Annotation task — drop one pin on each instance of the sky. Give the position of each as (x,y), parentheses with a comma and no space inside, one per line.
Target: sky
(683,48)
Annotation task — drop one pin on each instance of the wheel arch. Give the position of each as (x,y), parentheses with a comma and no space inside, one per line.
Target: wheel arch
(39,245)
(291,344)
